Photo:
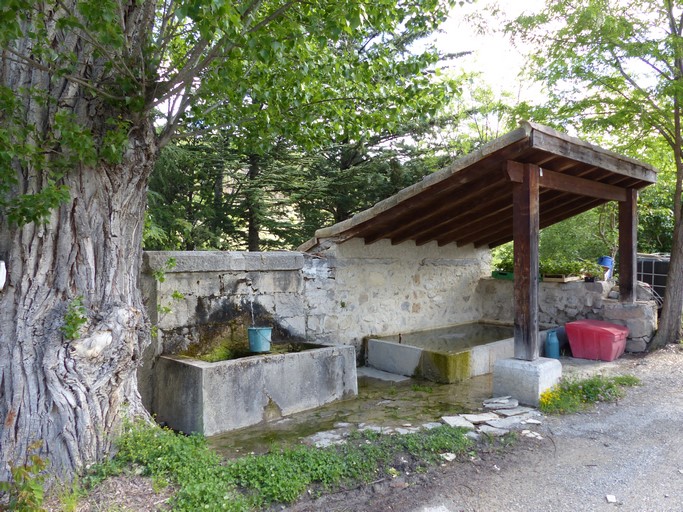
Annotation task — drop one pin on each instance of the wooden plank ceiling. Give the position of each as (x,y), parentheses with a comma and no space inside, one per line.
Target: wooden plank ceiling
(471,201)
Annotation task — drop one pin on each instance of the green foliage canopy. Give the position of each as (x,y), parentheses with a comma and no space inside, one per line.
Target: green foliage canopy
(193,65)
(301,135)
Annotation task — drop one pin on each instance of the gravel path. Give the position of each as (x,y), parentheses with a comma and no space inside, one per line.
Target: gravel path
(632,450)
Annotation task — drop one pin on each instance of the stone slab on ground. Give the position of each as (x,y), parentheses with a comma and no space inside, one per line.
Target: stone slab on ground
(406,430)
(480,418)
(325,439)
(493,431)
(498,400)
(373,428)
(509,422)
(458,421)
(515,411)
(430,425)
(509,403)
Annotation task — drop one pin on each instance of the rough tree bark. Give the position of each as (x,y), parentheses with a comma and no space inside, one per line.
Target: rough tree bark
(72,395)
(669,328)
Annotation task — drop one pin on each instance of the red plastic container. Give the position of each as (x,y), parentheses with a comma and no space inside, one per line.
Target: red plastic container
(597,340)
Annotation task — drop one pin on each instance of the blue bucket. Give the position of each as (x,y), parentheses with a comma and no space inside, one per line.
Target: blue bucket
(608,263)
(259,339)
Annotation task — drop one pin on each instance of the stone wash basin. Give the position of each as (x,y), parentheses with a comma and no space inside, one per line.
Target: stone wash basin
(446,355)
(210,398)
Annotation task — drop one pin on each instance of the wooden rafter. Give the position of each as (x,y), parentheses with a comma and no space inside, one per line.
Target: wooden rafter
(471,201)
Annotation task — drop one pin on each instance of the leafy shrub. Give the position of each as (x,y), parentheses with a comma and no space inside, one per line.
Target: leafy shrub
(205,483)
(572,395)
(25,490)
(185,461)
(564,267)
(503,260)
(74,319)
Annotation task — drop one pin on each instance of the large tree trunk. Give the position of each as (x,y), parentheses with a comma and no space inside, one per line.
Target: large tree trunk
(669,329)
(71,395)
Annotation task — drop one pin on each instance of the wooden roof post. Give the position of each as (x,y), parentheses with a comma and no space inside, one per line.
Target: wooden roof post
(525,231)
(628,224)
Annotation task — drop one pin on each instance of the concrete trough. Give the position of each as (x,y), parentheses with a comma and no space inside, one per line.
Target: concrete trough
(445,366)
(211,398)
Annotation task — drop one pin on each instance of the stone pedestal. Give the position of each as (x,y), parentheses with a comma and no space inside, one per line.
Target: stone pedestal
(525,380)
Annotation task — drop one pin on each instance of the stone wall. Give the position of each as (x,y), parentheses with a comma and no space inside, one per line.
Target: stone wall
(337,295)
(340,293)
(640,318)
(354,290)
(559,303)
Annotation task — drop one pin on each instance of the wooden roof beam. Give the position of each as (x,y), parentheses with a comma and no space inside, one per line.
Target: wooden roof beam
(504,237)
(565,183)
(420,218)
(485,236)
(561,144)
(499,220)
(460,212)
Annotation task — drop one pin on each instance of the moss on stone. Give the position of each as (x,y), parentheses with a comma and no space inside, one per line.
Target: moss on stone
(445,368)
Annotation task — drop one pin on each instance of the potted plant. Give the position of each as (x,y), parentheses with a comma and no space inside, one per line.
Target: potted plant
(561,270)
(504,266)
(592,271)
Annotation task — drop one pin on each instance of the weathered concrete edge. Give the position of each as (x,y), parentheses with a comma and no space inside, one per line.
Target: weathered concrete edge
(221,261)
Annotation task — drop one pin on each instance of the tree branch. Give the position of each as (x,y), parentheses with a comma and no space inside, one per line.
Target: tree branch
(272,17)
(92,40)
(635,84)
(21,59)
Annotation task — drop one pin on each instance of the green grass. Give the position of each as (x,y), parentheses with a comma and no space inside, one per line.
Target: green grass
(204,482)
(573,395)
(421,388)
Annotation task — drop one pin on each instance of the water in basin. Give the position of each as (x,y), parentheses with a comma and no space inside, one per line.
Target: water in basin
(455,338)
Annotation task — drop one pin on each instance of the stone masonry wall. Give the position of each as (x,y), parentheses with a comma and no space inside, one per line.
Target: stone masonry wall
(559,303)
(344,292)
(354,290)
(337,296)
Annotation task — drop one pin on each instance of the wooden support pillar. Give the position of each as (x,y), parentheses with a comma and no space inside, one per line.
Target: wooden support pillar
(628,224)
(525,232)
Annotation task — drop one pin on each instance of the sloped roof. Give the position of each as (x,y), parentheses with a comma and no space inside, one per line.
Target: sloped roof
(471,201)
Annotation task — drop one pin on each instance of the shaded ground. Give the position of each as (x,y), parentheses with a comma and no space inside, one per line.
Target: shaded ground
(632,450)
(126,493)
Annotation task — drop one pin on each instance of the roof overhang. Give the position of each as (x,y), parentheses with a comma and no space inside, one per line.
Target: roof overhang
(470,202)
